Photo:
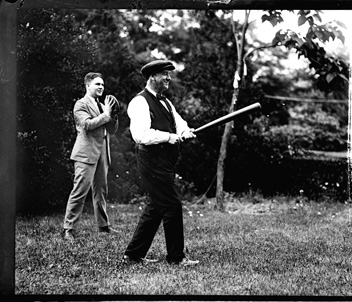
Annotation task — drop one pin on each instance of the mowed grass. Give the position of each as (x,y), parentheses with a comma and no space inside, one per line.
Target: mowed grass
(282,250)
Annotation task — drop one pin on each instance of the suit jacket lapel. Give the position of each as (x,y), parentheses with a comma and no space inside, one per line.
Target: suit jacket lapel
(92,105)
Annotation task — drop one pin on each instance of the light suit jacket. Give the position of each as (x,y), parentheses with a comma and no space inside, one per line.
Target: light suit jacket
(90,125)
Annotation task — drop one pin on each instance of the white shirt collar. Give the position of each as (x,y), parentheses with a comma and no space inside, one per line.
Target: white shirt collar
(151,91)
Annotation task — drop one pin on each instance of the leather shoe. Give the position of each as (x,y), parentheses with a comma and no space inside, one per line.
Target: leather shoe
(68,235)
(107,230)
(187,262)
(147,260)
(128,260)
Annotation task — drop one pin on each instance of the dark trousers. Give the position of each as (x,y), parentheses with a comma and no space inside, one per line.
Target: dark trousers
(158,175)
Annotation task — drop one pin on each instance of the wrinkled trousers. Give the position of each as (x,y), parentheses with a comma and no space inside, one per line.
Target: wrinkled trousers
(158,177)
(88,176)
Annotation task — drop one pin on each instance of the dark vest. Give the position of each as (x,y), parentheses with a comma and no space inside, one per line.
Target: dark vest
(161,119)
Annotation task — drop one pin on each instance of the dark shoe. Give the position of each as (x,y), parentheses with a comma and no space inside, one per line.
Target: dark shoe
(186,262)
(107,230)
(128,260)
(68,235)
(147,260)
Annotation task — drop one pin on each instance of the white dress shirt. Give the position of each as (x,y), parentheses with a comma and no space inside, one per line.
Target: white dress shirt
(140,126)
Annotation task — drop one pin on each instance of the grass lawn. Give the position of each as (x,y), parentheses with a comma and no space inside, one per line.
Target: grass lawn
(272,247)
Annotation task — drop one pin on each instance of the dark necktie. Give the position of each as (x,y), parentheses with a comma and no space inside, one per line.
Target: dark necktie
(99,106)
(101,111)
(160,97)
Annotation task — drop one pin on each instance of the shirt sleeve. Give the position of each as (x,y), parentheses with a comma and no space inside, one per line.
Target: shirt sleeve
(140,126)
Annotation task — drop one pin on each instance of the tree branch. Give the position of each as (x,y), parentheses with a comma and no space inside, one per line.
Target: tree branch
(258,48)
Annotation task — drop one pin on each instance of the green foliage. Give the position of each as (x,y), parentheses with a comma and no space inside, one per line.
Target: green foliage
(273,160)
(123,178)
(320,129)
(207,88)
(333,73)
(209,66)
(57,48)
(52,60)
(115,59)
(272,16)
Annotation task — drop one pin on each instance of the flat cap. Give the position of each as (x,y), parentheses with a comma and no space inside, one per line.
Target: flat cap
(156,67)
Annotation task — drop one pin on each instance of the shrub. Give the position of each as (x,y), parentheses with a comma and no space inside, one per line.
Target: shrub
(52,61)
(269,163)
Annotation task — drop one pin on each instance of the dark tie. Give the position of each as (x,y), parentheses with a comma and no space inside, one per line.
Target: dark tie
(101,111)
(160,97)
(99,106)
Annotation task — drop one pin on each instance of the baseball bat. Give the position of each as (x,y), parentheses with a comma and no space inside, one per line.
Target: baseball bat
(227,118)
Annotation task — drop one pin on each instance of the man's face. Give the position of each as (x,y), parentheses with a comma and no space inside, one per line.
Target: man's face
(162,80)
(95,87)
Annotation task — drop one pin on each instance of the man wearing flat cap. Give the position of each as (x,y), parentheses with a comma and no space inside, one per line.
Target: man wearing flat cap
(158,129)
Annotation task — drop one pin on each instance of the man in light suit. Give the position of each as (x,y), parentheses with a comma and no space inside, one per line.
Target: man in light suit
(95,123)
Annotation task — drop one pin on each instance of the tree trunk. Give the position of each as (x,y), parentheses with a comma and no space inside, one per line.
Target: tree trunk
(222,156)
(240,42)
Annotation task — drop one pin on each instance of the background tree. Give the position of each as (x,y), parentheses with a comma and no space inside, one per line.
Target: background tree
(113,31)
(53,57)
(57,47)
(332,72)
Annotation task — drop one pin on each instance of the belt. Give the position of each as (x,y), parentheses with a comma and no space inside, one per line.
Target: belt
(156,147)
